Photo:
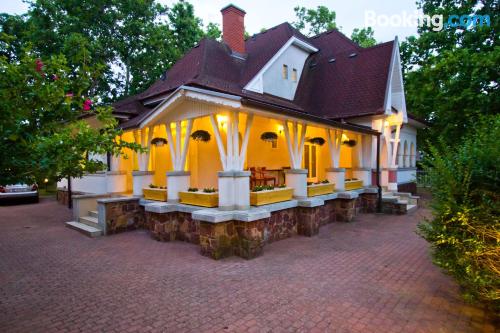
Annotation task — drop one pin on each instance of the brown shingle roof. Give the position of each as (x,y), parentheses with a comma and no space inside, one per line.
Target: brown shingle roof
(346,87)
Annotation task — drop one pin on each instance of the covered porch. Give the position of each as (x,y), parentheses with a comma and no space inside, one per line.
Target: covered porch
(229,151)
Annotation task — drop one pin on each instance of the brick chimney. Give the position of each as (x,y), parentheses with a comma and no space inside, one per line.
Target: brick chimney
(233,28)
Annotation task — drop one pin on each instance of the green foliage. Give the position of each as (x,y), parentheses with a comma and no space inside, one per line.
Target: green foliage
(315,20)
(209,190)
(260,188)
(451,76)
(43,131)
(213,31)
(193,189)
(364,37)
(465,230)
(133,42)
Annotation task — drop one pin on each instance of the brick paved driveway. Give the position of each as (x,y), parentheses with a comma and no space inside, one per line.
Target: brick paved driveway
(373,275)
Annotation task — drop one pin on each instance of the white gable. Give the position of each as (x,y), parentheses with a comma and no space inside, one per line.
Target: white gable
(395,93)
(270,78)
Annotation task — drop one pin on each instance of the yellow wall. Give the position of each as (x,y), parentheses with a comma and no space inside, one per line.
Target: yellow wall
(204,161)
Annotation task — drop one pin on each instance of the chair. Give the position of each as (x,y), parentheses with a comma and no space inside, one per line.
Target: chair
(265,178)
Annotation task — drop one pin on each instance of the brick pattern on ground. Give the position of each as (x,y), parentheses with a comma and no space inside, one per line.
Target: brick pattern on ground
(372,275)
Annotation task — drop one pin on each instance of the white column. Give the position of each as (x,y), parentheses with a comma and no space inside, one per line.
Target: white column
(335,175)
(296,177)
(142,178)
(234,183)
(179,179)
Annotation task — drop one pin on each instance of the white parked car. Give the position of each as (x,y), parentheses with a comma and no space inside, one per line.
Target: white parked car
(19,193)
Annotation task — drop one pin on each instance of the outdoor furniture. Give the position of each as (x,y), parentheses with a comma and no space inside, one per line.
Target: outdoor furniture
(260,177)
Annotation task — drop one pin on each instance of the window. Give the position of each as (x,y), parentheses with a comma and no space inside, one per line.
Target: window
(294,75)
(285,72)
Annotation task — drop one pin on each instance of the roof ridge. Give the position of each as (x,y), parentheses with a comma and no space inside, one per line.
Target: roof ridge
(377,45)
(339,33)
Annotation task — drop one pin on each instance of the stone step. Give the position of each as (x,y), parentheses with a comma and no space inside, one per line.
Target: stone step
(411,208)
(93,213)
(89,220)
(84,229)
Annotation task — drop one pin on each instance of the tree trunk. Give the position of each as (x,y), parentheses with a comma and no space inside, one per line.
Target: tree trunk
(70,200)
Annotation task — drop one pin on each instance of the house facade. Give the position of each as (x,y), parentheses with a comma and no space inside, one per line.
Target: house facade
(304,111)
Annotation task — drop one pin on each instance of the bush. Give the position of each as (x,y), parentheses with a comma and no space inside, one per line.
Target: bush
(465,230)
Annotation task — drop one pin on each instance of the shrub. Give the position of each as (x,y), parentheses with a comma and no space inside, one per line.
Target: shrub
(465,230)
(209,190)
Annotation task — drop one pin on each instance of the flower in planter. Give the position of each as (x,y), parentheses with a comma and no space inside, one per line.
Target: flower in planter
(200,135)
(269,136)
(317,141)
(282,186)
(152,186)
(193,189)
(325,181)
(209,190)
(309,183)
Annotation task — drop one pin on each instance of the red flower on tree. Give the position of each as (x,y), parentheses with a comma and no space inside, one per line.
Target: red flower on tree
(39,65)
(87,104)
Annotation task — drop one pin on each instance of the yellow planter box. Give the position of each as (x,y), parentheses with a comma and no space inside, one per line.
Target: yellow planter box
(158,194)
(268,197)
(353,185)
(199,199)
(319,189)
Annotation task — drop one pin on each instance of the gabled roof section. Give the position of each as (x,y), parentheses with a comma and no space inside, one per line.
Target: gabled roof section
(340,80)
(344,80)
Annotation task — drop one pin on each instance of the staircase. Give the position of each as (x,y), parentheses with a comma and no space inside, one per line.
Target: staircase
(405,202)
(87,225)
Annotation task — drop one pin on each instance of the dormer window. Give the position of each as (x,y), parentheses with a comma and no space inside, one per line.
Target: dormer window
(284,73)
(294,75)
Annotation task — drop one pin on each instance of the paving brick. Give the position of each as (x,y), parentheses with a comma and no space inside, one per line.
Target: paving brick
(371,275)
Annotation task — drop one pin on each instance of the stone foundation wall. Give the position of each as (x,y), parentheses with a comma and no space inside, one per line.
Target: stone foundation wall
(345,209)
(368,202)
(218,240)
(173,226)
(123,215)
(281,225)
(393,208)
(62,195)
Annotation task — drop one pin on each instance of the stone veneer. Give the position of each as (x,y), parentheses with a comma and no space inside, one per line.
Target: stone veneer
(62,195)
(120,214)
(234,237)
(173,226)
(247,239)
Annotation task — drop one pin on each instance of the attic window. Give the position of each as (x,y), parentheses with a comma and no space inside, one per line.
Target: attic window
(294,75)
(331,60)
(284,73)
(352,55)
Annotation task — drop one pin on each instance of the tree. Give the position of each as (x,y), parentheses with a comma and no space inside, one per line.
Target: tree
(213,31)
(314,21)
(43,130)
(451,76)
(464,231)
(133,42)
(363,37)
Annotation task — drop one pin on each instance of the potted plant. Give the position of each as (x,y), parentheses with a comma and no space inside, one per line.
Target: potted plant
(200,135)
(317,141)
(158,142)
(352,184)
(319,188)
(269,136)
(268,194)
(153,192)
(350,143)
(208,197)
